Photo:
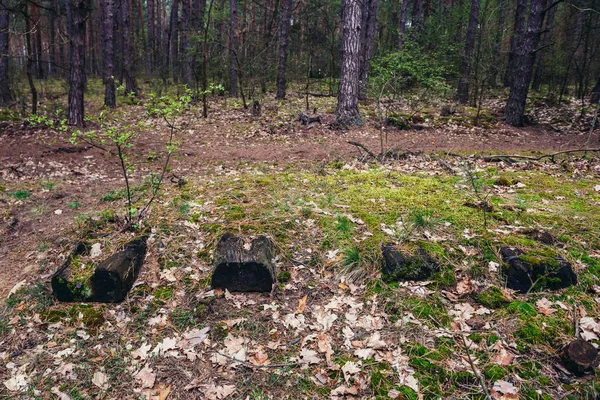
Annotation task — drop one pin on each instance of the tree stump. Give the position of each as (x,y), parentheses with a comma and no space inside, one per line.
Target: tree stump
(541,272)
(244,265)
(111,280)
(404,267)
(115,276)
(580,357)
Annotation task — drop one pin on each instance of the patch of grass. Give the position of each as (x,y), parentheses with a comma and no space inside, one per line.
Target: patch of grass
(21,194)
(183,318)
(75,205)
(47,185)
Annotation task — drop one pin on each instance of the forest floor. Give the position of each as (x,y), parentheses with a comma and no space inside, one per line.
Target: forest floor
(331,328)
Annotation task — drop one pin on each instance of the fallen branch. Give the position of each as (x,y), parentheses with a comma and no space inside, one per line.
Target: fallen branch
(361,146)
(513,158)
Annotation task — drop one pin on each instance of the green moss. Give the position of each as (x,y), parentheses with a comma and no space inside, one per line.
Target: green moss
(284,276)
(492,298)
(522,309)
(219,331)
(494,372)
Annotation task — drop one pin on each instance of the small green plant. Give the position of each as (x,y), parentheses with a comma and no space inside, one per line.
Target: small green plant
(47,185)
(116,136)
(75,205)
(21,194)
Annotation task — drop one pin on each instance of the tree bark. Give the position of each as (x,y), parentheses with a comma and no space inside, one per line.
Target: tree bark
(5,95)
(369,22)
(546,41)
(233,48)
(515,40)
(78,17)
(284,37)
(462,93)
(402,23)
(110,99)
(524,59)
(128,48)
(347,112)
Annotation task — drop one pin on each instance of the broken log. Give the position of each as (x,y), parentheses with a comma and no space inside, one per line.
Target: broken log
(400,266)
(580,357)
(527,272)
(309,119)
(111,280)
(115,276)
(244,265)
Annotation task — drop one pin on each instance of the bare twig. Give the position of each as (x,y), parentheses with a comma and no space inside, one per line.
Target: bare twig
(481,380)
(250,365)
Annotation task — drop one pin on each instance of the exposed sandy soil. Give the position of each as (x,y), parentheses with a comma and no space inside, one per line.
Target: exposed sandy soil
(30,155)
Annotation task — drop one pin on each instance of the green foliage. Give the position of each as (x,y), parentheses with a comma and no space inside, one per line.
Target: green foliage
(411,68)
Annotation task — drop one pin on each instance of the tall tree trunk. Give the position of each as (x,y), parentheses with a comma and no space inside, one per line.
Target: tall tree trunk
(515,40)
(29,68)
(151,43)
(284,37)
(110,99)
(495,67)
(462,93)
(186,57)
(172,39)
(546,41)
(347,112)
(197,19)
(402,23)
(595,97)
(233,48)
(369,22)
(5,95)
(52,40)
(37,41)
(417,14)
(79,10)
(574,47)
(129,53)
(524,59)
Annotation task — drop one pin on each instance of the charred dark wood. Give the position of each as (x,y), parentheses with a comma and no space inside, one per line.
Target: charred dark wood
(580,357)
(112,278)
(527,272)
(399,266)
(308,119)
(244,265)
(115,276)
